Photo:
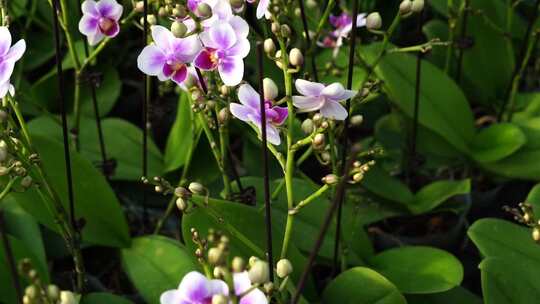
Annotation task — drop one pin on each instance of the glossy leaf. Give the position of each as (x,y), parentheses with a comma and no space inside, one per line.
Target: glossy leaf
(362,286)
(497,142)
(533,198)
(419,269)
(103,297)
(455,295)
(94,199)
(107,93)
(155,264)
(437,193)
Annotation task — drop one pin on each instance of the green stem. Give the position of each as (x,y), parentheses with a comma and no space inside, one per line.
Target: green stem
(76,110)
(94,54)
(224,148)
(15,106)
(69,38)
(451,36)
(310,199)
(7,189)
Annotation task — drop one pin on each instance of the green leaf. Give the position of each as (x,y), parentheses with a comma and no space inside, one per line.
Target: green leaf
(155,264)
(120,136)
(534,198)
(437,29)
(103,297)
(437,193)
(419,270)
(361,285)
(245,227)
(20,252)
(94,199)
(498,238)
(443,107)
(378,181)
(506,281)
(523,164)
(182,136)
(455,295)
(497,142)
(107,92)
(40,49)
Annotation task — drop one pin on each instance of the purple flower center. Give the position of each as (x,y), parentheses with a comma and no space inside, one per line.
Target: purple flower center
(106,24)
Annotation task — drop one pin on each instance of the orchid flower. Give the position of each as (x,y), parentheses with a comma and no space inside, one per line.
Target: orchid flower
(168,56)
(221,12)
(343,26)
(100,19)
(194,288)
(242,283)
(8,56)
(317,96)
(225,47)
(262,7)
(250,111)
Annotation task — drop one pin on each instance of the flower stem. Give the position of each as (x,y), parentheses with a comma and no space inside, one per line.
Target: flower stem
(310,198)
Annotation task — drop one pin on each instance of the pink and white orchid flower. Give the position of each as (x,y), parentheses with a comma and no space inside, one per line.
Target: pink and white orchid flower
(225,47)
(9,54)
(100,19)
(250,111)
(317,96)
(168,57)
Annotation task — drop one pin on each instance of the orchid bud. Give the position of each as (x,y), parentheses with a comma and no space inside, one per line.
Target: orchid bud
(162,12)
(269,47)
(215,256)
(405,7)
(196,188)
(307,126)
(3,116)
(259,272)
(224,115)
(26,181)
(268,288)
(151,19)
(318,141)
(284,268)
(179,29)
(330,179)
(270,89)
(358,176)
(31,291)
(67,297)
(3,152)
(139,7)
(275,27)
(4,171)
(374,21)
(295,57)
(252,260)
(203,10)
(285,31)
(219,272)
(417,6)
(536,234)
(238,264)
(297,12)
(357,120)
(237,4)
(224,90)
(27,300)
(179,11)
(311,4)
(181,204)
(53,292)
(220,299)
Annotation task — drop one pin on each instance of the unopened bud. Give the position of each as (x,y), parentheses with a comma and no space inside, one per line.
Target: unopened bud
(318,141)
(269,47)
(67,297)
(536,234)
(252,260)
(307,126)
(139,7)
(358,176)
(53,292)
(162,12)
(374,21)
(31,291)
(26,181)
(330,179)
(203,10)
(259,272)
(219,272)
(215,256)
(3,116)
(220,299)
(3,171)
(238,264)
(357,120)
(285,31)
(224,90)
(295,57)
(179,29)
(275,27)
(237,4)
(224,115)
(284,268)
(270,89)
(311,4)
(417,6)
(196,188)
(151,19)
(405,7)
(181,204)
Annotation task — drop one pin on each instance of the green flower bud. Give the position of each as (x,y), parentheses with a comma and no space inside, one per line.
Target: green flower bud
(295,57)
(252,260)
(270,89)
(204,10)
(196,188)
(417,6)
(31,291)
(357,120)
(284,268)
(139,7)
(179,29)
(67,297)
(308,126)
(181,204)
(405,7)
(536,234)
(237,4)
(26,181)
(374,21)
(215,256)
(330,179)
(259,272)
(151,19)
(318,141)
(53,292)
(238,264)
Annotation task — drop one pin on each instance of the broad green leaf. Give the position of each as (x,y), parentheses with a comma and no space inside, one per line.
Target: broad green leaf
(502,239)
(443,107)
(182,136)
(419,270)
(120,137)
(102,298)
(528,106)
(497,142)
(455,295)
(95,201)
(436,193)
(40,48)
(20,252)
(534,198)
(107,92)
(378,181)
(361,285)
(155,264)
(509,281)
(523,165)
(437,29)
(245,227)
(530,127)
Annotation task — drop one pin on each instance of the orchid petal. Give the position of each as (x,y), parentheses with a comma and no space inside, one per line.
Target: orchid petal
(256,296)
(333,91)
(16,51)
(308,88)
(95,38)
(110,9)
(282,112)
(218,287)
(151,60)
(88,25)
(162,37)
(204,60)
(180,75)
(241,112)
(171,297)
(308,103)
(262,7)
(5,40)
(231,70)
(6,69)
(113,30)
(194,287)
(272,135)
(240,49)
(240,26)
(241,281)
(88,7)
(361,20)
(223,35)
(249,97)
(347,94)
(334,110)
(185,49)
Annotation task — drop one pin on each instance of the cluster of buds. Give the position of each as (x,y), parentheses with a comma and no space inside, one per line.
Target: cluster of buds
(12,163)
(38,293)
(359,170)
(409,7)
(525,215)
(182,194)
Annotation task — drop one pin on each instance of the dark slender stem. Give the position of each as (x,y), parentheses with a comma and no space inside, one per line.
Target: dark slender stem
(338,198)
(308,39)
(146,93)
(463,34)
(236,176)
(104,166)
(201,80)
(414,134)
(350,75)
(10,259)
(267,207)
(522,54)
(65,133)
